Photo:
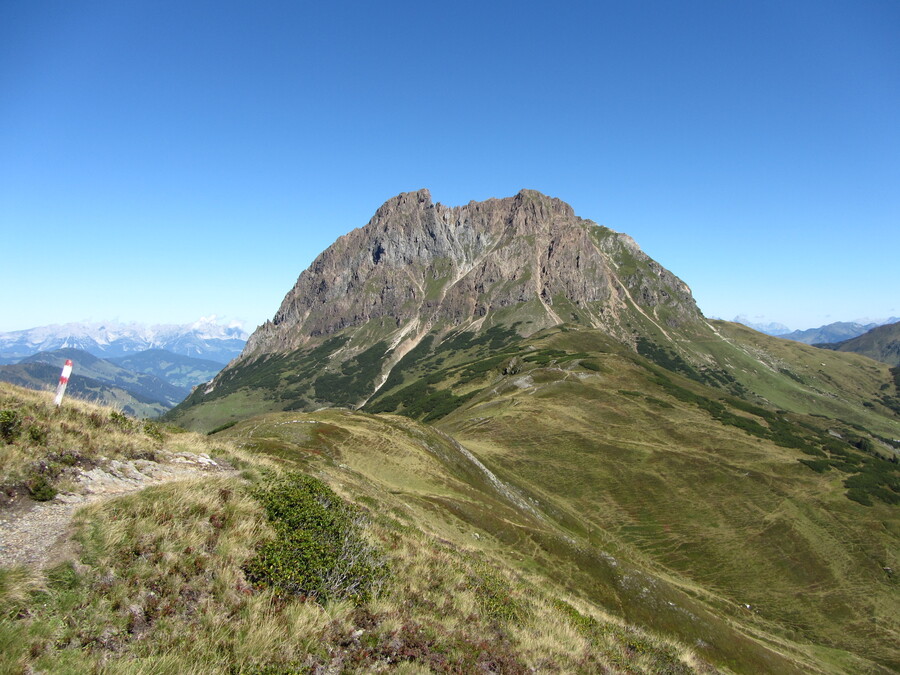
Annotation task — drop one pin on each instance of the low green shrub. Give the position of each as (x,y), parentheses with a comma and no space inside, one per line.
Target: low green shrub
(859,496)
(319,549)
(38,434)
(492,593)
(817,465)
(659,403)
(153,430)
(221,427)
(10,425)
(41,489)
(584,624)
(121,420)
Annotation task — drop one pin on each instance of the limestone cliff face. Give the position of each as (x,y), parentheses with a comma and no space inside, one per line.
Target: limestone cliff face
(418,264)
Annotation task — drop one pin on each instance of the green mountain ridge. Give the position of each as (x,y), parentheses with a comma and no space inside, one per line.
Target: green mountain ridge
(881,343)
(145,385)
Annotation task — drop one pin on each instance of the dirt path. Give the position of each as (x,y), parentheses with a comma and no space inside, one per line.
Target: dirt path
(37,533)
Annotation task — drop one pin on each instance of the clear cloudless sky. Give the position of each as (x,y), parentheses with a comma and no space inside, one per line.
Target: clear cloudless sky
(161,160)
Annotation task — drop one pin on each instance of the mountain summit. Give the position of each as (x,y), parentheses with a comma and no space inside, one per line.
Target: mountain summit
(417,265)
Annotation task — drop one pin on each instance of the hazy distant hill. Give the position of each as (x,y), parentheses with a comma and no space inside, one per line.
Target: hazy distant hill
(45,376)
(833,332)
(881,343)
(96,379)
(203,339)
(184,372)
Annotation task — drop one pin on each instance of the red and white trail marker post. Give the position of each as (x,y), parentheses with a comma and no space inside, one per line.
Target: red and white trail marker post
(63,381)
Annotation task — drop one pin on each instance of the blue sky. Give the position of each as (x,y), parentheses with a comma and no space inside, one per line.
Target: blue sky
(162,161)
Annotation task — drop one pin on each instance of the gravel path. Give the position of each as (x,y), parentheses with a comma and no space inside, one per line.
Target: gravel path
(37,533)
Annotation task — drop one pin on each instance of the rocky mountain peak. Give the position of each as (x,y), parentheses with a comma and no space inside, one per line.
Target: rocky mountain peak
(405,202)
(418,265)
(540,207)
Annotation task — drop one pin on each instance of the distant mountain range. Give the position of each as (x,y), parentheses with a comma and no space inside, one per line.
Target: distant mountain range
(830,333)
(833,332)
(772,328)
(881,343)
(204,339)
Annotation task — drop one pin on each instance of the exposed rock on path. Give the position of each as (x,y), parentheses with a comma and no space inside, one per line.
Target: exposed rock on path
(35,534)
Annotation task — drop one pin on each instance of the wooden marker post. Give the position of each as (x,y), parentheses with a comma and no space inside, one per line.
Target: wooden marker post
(63,381)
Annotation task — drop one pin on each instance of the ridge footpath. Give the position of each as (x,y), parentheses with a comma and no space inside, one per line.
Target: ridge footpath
(35,534)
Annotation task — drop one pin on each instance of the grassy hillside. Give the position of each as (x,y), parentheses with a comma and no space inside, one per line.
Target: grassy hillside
(599,527)
(755,499)
(303,563)
(764,512)
(43,447)
(806,379)
(659,537)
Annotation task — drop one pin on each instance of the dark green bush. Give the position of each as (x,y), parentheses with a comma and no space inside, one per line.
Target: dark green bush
(41,489)
(544,356)
(10,425)
(153,430)
(475,370)
(120,420)
(859,496)
(221,427)
(421,401)
(319,549)
(38,434)
(817,465)
(791,374)
(356,379)
(407,363)
(658,402)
